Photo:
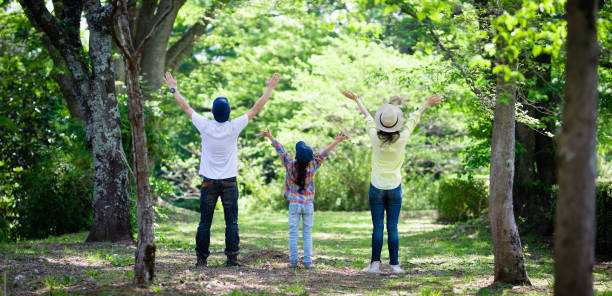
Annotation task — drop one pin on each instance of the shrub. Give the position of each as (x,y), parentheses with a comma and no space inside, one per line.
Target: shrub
(460,199)
(603,242)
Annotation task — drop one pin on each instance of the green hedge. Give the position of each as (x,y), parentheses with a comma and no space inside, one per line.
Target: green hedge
(603,243)
(460,199)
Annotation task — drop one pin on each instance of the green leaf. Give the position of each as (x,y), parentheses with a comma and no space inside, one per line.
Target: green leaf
(536,50)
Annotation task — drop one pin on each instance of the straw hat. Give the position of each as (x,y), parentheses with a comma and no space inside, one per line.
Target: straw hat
(389,118)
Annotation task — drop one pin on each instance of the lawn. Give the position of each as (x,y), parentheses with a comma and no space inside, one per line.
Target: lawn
(439,259)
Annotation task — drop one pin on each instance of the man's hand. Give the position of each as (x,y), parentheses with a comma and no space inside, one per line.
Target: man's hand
(435,99)
(170,81)
(265,133)
(273,82)
(341,137)
(349,95)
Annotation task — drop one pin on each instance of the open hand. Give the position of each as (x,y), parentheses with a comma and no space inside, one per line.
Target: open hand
(342,137)
(435,99)
(349,95)
(170,81)
(265,133)
(273,82)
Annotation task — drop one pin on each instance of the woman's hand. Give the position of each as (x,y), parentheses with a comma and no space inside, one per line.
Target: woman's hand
(341,137)
(350,95)
(435,99)
(273,82)
(170,81)
(265,133)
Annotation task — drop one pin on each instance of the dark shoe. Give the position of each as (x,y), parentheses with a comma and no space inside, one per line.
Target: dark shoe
(201,261)
(309,265)
(232,260)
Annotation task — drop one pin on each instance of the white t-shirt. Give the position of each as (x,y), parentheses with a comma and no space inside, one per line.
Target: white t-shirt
(219,145)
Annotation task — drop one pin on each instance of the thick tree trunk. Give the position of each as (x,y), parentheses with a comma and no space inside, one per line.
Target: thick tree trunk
(98,106)
(111,215)
(576,157)
(509,261)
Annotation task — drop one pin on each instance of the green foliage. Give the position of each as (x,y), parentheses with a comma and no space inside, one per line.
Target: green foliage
(460,199)
(45,169)
(603,243)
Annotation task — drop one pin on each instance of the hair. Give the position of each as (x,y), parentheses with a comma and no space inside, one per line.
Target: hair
(301,174)
(387,137)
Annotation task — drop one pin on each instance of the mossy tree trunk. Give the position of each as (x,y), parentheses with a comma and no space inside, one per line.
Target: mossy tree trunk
(576,157)
(92,83)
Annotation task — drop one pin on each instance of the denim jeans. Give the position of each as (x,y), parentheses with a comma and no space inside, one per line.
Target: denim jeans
(391,202)
(209,194)
(306,212)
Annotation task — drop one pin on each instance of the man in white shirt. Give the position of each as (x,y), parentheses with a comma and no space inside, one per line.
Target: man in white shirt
(219,167)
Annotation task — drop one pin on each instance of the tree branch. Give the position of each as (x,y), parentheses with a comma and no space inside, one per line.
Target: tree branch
(184,45)
(153,29)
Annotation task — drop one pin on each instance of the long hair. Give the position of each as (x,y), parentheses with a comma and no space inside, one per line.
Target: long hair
(386,137)
(301,174)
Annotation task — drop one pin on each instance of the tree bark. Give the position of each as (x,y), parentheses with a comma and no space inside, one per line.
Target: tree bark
(144,267)
(98,106)
(576,157)
(508,254)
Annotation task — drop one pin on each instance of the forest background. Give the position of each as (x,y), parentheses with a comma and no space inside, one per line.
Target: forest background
(385,51)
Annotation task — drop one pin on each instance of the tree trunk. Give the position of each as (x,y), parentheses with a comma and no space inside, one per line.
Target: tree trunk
(111,215)
(509,261)
(144,268)
(98,106)
(576,157)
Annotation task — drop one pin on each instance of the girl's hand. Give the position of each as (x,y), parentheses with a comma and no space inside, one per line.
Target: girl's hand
(341,137)
(273,82)
(349,95)
(265,133)
(435,99)
(170,81)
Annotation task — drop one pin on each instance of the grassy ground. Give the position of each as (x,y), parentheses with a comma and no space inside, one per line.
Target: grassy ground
(438,259)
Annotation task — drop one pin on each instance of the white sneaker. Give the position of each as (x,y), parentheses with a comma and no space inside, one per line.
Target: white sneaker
(374,267)
(396,269)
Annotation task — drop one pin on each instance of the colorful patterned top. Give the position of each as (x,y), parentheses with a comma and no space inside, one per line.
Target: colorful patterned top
(290,163)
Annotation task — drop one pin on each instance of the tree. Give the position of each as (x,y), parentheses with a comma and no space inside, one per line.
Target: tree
(94,87)
(508,254)
(576,158)
(156,56)
(144,267)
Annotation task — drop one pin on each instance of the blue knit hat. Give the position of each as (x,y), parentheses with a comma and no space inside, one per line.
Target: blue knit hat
(303,153)
(221,109)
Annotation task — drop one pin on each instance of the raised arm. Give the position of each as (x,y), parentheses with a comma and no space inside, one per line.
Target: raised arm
(354,97)
(266,134)
(271,84)
(172,84)
(435,99)
(339,138)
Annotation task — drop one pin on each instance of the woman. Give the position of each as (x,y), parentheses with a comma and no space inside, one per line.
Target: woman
(389,135)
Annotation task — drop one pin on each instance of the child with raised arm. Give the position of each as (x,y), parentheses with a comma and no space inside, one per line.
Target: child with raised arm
(300,192)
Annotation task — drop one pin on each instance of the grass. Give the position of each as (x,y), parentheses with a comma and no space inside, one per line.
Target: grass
(439,260)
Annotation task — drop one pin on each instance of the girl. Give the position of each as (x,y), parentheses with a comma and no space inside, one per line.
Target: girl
(388,148)
(300,191)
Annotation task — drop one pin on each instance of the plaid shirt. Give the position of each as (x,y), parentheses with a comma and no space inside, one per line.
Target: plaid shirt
(290,163)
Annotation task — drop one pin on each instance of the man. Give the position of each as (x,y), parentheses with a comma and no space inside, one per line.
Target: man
(219,167)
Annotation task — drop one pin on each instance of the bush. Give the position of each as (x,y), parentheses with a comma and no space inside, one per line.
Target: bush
(460,199)
(603,242)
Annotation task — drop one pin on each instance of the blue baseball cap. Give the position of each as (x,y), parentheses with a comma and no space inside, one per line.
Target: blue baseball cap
(303,153)
(221,109)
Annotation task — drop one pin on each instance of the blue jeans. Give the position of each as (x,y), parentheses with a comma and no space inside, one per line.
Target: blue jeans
(209,194)
(306,212)
(381,201)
